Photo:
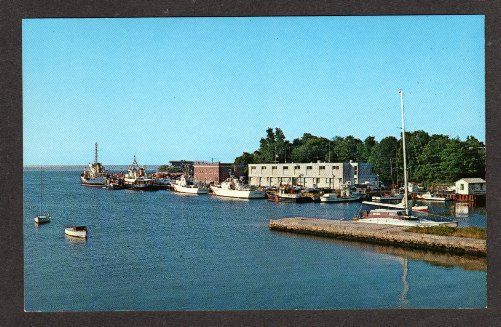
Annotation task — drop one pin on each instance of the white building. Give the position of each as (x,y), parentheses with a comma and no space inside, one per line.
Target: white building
(320,174)
(470,186)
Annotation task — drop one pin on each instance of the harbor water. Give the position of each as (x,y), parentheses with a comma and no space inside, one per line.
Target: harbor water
(167,251)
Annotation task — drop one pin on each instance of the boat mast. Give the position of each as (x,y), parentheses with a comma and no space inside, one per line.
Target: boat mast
(406,188)
(41,190)
(95,153)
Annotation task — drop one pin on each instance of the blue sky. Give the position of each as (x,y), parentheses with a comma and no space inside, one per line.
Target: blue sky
(201,88)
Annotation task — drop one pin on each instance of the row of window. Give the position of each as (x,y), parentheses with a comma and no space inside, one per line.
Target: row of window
(295,167)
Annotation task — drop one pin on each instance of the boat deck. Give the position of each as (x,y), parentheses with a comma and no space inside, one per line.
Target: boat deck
(380,234)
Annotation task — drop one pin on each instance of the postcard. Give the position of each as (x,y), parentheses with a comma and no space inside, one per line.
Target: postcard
(254,163)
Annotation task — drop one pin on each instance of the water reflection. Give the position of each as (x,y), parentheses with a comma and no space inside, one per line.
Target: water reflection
(75,240)
(438,259)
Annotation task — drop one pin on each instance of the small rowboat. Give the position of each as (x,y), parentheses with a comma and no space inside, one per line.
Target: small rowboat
(42,219)
(76,231)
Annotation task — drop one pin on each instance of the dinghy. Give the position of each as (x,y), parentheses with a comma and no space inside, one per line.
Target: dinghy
(76,231)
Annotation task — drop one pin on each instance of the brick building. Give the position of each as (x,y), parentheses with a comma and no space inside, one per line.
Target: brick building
(216,172)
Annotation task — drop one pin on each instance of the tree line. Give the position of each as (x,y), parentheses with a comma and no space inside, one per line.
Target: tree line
(431,159)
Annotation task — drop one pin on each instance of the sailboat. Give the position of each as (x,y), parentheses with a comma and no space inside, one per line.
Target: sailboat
(42,218)
(399,215)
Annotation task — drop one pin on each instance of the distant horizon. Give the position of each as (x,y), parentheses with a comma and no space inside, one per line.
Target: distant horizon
(207,88)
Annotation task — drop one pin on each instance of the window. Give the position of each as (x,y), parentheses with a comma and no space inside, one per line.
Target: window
(461,187)
(273,167)
(335,167)
(286,167)
(297,167)
(253,167)
(309,167)
(263,167)
(318,180)
(322,167)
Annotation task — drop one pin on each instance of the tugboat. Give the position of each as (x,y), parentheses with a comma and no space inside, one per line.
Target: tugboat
(136,178)
(95,174)
(233,188)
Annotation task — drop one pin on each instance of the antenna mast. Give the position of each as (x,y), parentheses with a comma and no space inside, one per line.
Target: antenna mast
(406,188)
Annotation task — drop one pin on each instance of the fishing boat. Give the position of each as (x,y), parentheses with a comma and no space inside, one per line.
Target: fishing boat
(95,174)
(136,178)
(345,196)
(430,197)
(185,185)
(42,218)
(287,194)
(234,188)
(76,231)
(399,216)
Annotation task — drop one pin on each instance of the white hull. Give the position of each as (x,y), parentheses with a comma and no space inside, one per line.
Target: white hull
(432,198)
(98,181)
(190,190)
(241,194)
(75,233)
(405,222)
(328,198)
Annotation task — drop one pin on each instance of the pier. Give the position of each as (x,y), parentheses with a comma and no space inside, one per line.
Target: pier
(380,234)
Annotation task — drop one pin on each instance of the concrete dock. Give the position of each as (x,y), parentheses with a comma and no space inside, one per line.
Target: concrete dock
(380,234)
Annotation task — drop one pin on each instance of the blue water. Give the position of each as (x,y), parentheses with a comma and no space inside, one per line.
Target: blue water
(165,251)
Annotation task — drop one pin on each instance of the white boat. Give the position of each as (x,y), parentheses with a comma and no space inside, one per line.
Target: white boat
(184,185)
(42,218)
(94,174)
(393,197)
(233,188)
(402,215)
(395,206)
(429,197)
(346,197)
(76,231)
(398,217)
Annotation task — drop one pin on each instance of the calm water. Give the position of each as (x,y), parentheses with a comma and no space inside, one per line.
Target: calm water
(165,251)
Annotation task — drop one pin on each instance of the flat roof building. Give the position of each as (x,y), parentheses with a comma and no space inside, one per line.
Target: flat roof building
(319,174)
(470,186)
(216,172)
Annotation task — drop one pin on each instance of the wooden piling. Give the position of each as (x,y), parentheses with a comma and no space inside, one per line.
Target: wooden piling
(380,234)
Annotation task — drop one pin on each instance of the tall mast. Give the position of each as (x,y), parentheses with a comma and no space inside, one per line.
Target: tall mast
(95,153)
(406,188)
(41,190)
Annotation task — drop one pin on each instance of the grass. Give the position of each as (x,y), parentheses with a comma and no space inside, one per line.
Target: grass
(470,232)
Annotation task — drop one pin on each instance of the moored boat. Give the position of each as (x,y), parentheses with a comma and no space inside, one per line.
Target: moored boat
(430,197)
(76,231)
(287,194)
(233,188)
(185,185)
(95,174)
(345,196)
(42,218)
(136,178)
(399,216)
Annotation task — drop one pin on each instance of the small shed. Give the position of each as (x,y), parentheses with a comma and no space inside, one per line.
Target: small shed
(470,186)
